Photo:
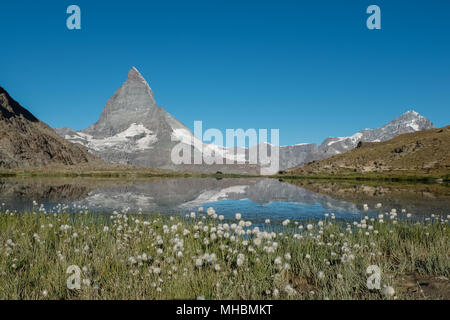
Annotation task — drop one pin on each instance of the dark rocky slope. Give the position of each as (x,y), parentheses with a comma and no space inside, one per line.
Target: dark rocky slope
(25,141)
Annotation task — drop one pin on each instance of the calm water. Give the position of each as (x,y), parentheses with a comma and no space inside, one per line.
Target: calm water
(255,198)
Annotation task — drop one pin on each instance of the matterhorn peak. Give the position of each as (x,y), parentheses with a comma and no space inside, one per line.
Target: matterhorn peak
(134,74)
(135,77)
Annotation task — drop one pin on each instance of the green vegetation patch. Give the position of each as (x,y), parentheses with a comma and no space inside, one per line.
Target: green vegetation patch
(143,256)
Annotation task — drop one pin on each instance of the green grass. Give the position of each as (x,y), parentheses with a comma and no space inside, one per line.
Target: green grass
(148,173)
(327,262)
(368,177)
(139,173)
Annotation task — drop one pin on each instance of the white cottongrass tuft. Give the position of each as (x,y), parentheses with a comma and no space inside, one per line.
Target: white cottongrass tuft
(278,260)
(389,291)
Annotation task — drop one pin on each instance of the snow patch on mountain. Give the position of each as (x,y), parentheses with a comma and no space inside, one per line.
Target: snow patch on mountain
(353,139)
(136,137)
(186,137)
(210,196)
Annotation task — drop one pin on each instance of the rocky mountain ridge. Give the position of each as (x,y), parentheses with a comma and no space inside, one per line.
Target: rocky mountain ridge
(421,152)
(25,141)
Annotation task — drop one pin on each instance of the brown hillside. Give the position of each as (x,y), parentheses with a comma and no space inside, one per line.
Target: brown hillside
(424,152)
(27,142)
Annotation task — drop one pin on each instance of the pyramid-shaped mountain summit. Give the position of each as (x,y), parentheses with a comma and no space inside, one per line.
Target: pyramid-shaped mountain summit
(133,105)
(134,130)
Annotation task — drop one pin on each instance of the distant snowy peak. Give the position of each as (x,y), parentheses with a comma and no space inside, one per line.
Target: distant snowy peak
(300,154)
(408,122)
(412,120)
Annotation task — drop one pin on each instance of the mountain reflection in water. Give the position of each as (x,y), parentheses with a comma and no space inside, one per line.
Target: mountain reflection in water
(255,198)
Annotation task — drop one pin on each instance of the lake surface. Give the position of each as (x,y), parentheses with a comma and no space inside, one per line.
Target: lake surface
(255,198)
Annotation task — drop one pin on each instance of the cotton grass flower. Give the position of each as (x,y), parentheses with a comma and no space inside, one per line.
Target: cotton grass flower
(132,260)
(87,282)
(276,293)
(210,211)
(289,290)
(389,291)
(240,260)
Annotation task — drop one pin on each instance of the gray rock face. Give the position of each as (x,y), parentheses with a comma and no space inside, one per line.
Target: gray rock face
(132,129)
(292,156)
(134,103)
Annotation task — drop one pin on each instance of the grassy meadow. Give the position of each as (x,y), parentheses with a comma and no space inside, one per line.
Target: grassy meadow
(204,256)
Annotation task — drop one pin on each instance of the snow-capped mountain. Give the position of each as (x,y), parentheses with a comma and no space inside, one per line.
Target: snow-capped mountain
(132,129)
(298,155)
(130,126)
(410,121)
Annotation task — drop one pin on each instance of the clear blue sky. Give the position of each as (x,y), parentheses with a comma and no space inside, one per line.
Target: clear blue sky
(310,68)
